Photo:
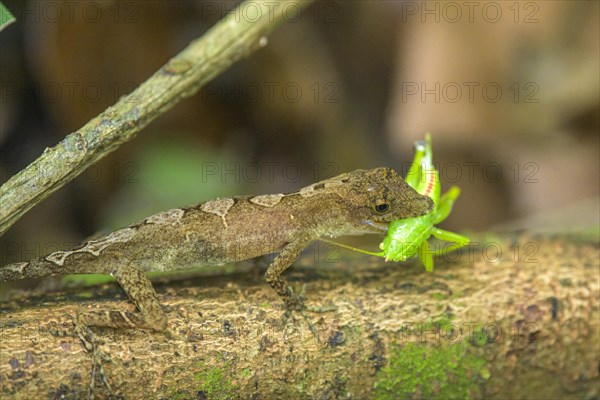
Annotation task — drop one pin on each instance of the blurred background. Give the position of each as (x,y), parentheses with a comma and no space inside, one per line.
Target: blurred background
(509,90)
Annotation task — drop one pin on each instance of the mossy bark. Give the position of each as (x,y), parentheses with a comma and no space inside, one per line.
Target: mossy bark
(516,316)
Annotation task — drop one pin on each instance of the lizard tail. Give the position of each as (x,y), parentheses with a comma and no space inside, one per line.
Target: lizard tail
(31,269)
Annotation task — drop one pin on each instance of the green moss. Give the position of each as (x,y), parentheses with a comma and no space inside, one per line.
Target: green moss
(479,338)
(443,323)
(439,296)
(457,295)
(215,382)
(301,387)
(416,370)
(178,395)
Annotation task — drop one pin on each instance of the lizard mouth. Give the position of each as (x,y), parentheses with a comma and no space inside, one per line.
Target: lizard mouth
(381,226)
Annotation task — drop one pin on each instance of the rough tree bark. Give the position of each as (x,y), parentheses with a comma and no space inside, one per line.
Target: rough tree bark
(516,316)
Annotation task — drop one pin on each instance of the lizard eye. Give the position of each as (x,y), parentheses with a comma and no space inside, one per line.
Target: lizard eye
(382,208)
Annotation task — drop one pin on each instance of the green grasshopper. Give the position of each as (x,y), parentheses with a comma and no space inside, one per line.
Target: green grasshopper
(407,237)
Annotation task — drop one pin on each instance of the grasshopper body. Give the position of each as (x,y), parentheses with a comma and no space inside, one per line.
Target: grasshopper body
(409,237)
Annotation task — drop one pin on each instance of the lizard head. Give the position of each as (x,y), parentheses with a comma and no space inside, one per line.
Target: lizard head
(379,196)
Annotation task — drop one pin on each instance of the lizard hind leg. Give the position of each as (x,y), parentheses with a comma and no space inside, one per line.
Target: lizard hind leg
(150,316)
(140,291)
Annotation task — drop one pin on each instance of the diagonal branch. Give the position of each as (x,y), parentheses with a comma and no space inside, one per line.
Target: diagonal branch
(237,35)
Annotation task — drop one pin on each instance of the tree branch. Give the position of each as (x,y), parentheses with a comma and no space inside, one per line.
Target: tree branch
(514,318)
(234,37)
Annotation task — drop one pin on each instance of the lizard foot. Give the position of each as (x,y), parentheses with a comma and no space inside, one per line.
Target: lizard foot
(295,303)
(92,344)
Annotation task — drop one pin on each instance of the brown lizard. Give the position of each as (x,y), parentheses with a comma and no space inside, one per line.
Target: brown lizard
(227,230)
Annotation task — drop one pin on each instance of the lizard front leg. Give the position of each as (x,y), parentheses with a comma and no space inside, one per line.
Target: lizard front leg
(283,260)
